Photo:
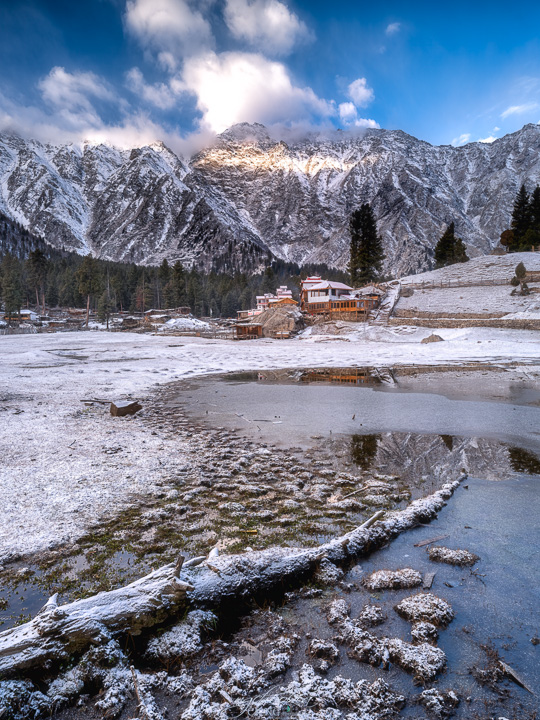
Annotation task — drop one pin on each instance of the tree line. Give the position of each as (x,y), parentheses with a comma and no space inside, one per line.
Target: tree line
(57,279)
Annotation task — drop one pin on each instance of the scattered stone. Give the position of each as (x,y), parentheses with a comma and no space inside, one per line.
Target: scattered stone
(128,407)
(279,659)
(327,573)
(337,612)
(439,704)
(431,339)
(184,639)
(426,606)
(452,557)
(371,616)
(392,579)
(428,580)
(323,650)
(424,632)
(423,660)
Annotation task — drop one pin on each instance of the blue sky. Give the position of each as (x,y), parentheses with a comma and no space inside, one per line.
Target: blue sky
(130,71)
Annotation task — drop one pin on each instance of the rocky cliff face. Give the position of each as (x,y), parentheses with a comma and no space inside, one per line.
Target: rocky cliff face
(250,197)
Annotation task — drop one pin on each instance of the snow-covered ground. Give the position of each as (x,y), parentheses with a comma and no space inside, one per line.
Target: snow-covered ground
(65,466)
(479,269)
(185,324)
(477,300)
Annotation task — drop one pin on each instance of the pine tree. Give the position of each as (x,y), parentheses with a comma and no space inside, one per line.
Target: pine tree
(532,235)
(37,266)
(164,275)
(450,250)
(12,288)
(366,251)
(89,281)
(521,218)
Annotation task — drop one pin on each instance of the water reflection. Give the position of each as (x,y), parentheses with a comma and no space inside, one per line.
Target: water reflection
(342,376)
(448,440)
(364,450)
(524,461)
(414,456)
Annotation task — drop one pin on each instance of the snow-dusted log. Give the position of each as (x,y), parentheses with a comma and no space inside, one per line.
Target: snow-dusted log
(231,577)
(57,631)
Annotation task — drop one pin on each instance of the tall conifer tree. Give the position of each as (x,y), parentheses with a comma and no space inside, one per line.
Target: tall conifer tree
(366,251)
(521,217)
(450,249)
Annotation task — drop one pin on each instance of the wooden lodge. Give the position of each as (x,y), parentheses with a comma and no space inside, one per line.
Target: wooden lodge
(23,316)
(337,300)
(248,331)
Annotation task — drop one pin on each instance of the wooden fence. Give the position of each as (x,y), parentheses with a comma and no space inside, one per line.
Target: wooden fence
(454,283)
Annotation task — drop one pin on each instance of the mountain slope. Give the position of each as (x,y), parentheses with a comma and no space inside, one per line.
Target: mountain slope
(249,197)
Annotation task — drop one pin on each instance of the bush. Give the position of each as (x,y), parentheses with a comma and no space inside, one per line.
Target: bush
(514,281)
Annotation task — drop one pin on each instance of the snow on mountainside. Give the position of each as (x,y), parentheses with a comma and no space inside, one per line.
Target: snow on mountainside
(249,197)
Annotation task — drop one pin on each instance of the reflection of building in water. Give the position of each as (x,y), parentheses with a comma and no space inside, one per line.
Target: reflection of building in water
(346,376)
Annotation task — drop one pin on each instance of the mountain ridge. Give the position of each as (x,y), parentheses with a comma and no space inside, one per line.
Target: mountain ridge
(250,197)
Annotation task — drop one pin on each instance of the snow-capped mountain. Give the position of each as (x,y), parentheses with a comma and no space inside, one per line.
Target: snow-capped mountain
(250,197)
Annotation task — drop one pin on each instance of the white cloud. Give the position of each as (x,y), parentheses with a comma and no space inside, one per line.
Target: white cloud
(347,112)
(267,25)
(393,28)
(461,140)
(158,94)
(366,123)
(360,93)
(488,140)
(519,109)
(172,28)
(349,115)
(245,87)
(70,94)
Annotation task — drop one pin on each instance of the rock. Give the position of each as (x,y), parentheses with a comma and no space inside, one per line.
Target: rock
(371,616)
(426,606)
(432,338)
(337,612)
(424,632)
(128,407)
(439,704)
(392,579)
(452,557)
(184,639)
(327,573)
(323,650)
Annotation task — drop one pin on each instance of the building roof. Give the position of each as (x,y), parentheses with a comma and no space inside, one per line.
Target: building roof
(369,290)
(330,284)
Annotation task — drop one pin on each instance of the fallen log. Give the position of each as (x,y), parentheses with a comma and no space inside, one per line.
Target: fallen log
(234,577)
(58,631)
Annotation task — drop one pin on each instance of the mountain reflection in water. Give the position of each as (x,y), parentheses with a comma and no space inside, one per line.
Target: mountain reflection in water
(413,456)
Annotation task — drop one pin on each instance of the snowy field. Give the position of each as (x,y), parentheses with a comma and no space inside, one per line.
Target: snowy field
(477,300)
(65,466)
(479,269)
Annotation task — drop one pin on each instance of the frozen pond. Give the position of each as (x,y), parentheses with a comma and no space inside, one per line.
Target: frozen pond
(297,407)
(421,426)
